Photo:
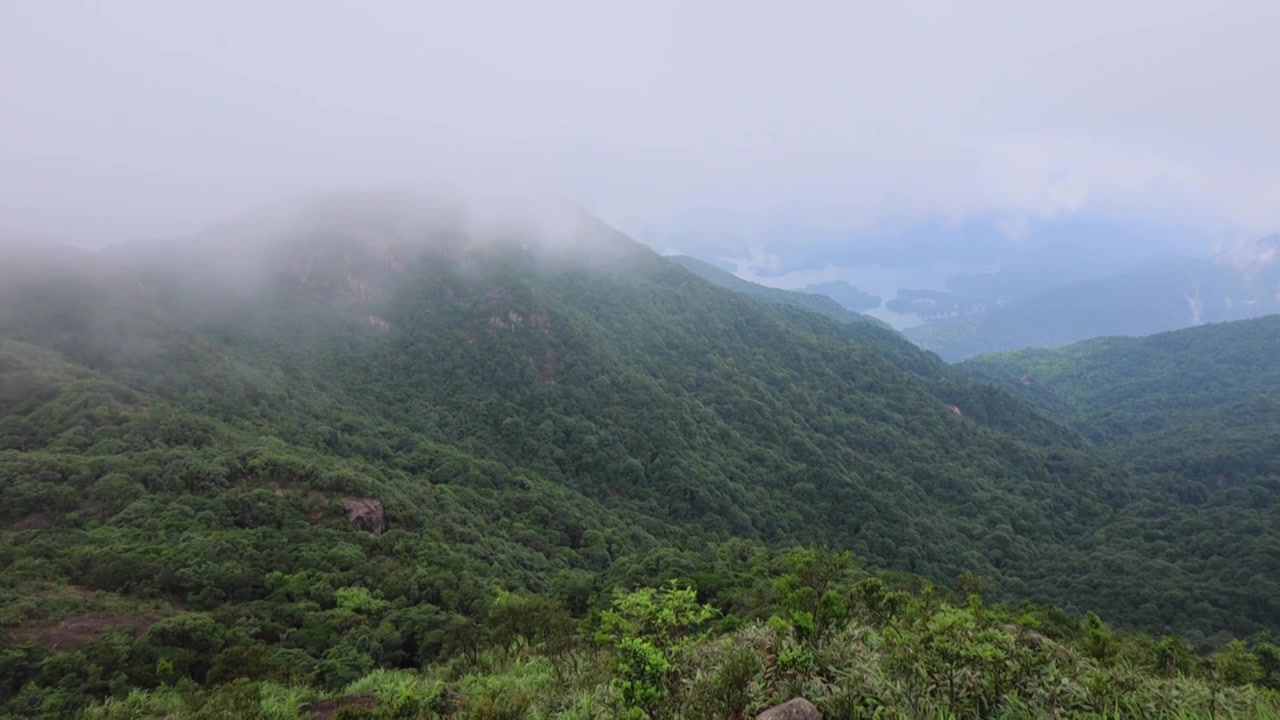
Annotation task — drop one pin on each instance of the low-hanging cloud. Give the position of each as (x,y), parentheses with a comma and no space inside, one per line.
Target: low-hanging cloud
(716,125)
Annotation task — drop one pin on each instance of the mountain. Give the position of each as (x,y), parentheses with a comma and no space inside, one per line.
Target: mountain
(593,365)
(1155,297)
(806,300)
(1160,400)
(331,435)
(847,295)
(1195,414)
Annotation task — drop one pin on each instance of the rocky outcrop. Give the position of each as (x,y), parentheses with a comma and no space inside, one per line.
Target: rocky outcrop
(366,514)
(329,709)
(797,709)
(83,629)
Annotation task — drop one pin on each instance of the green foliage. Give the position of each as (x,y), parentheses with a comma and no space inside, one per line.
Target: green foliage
(730,685)
(530,619)
(1235,665)
(650,629)
(929,658)
(358,599)
(807,591)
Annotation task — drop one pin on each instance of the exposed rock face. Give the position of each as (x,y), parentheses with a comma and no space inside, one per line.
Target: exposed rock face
(366,514)
(328,709)
(80,630)
(797,709)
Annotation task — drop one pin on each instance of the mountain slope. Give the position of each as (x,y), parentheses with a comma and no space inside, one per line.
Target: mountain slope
(609,363)
(1195,414)
(1120,390)
(992,409)
(605,370)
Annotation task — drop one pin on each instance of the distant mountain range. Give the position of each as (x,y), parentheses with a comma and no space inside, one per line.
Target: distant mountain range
(811,299)
(847,295)
(977,316)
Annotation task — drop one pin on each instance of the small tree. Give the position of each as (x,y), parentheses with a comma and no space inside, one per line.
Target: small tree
(1269,664)
(967,584)
(1099,642)
(1231,666)
(730,686)
(1234,665)
(650,629)
(1172,656)
(880,604)
(464,636)
(809,591)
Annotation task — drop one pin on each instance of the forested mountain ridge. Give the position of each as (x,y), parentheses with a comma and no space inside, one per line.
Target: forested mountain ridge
(1167,402)
(1194,414)
(277,431)
(812,300)
(1189,369)
(545,361)
(992,409)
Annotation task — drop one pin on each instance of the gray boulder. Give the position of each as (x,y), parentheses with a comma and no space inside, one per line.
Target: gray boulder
(796,709)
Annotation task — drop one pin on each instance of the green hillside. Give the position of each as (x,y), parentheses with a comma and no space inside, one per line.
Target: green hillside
(806,624)
(326,440)
(1195,414)
(1173,401)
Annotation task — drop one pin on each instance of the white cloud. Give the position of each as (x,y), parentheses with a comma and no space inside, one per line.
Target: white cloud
(833,115)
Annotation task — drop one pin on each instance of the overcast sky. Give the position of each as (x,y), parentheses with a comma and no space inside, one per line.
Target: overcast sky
(729,128)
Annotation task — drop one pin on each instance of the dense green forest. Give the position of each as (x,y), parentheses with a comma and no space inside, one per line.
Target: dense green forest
(1194,417)
(1200,406)
(330,451)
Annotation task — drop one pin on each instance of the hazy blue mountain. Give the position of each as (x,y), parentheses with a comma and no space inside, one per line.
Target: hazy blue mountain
(847,295)
(806,300)
(1076,245)
(1156,297)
